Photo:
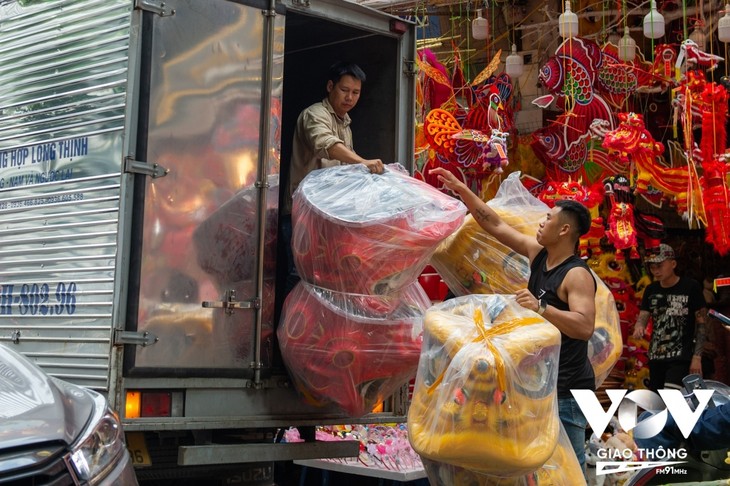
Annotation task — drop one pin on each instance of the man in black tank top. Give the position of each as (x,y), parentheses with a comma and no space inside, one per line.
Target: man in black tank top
(561,288)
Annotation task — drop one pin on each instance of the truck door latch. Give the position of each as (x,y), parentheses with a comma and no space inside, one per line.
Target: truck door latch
(143,339)
(138,167)
(154,7)
(231,303)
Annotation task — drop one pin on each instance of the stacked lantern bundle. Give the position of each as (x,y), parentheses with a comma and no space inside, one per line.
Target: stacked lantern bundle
(349,349)
(473,262)
(350,332)
(484,398)
(367,233)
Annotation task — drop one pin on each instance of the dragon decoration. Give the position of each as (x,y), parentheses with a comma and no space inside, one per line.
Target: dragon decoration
(599,134)
(591,198)
(465,125)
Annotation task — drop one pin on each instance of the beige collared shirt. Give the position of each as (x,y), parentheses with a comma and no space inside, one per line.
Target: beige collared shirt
(318,129)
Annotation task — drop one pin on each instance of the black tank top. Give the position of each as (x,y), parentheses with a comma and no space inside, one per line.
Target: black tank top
(575,370)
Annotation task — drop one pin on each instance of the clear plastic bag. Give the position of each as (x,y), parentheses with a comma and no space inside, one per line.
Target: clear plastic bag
(352,350)
(606,344)
(562,469)
(485,392)
(471,261)
(226,242)
(368,233)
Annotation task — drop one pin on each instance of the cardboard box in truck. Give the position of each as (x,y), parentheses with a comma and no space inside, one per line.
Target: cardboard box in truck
(142,147)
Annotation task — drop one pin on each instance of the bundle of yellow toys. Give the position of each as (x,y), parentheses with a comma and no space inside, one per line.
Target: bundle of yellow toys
(484,397)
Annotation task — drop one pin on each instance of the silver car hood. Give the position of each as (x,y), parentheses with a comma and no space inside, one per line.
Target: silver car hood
(35,408)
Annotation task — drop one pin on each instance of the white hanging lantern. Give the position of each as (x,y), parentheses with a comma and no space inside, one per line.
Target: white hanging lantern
(627,47)
(514,64)
(479,27)
(698,36)
(568,22)
(723,26)
(653,23)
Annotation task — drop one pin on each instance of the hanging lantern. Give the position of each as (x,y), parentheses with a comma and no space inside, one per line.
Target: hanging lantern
(514,64)
(479,27)
(698,36)
(723,25)
(653,23)
(568,22)
(627,47)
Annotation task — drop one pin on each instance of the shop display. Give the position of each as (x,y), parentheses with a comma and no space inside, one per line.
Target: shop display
(484,397)
(384,451)
(368,233)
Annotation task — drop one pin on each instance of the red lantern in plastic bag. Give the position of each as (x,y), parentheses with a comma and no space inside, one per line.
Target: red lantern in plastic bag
(348,349)
(368,233)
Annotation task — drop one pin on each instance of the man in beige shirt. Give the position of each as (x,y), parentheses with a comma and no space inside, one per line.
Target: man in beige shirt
(323,138)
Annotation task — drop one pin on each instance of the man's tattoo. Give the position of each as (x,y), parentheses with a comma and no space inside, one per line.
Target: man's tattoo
(643,319)
(700,330)
(481,215)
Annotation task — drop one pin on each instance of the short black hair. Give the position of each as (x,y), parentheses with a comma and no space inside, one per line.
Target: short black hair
(577,213)
(341,68)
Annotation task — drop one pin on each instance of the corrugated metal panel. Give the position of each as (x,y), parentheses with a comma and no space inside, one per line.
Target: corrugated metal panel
(63,73)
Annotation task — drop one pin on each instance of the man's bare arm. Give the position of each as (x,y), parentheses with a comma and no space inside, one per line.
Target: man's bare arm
(487,218)
(579,321)
(340,152)
(640,326)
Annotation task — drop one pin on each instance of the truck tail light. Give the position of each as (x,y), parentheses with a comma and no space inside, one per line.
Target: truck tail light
(148,404)
(132,404)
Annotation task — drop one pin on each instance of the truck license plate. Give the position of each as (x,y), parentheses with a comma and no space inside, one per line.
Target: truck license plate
(138,449)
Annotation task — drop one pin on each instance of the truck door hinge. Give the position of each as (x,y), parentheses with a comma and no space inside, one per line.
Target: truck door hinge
(409,67)
(138,167)
(137,338)
(231,303)
(154,7)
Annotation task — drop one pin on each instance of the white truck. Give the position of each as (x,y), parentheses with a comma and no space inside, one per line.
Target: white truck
(142,144)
